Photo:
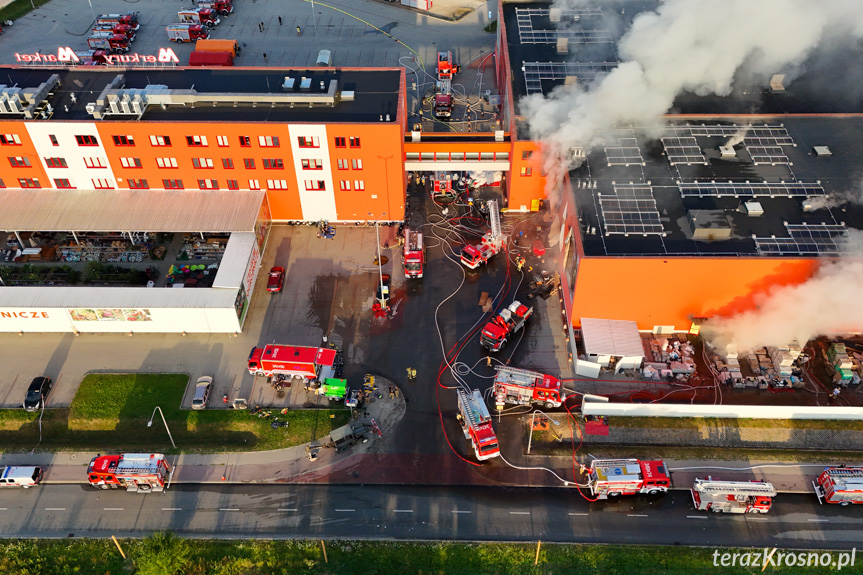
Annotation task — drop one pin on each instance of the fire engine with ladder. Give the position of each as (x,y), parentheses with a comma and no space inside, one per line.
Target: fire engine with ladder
(414,254)
(732,496)
(525,387)
(492,242)
(508,322)
(136,472)
(609,478)
(443,100)
(475,422)
(840,485)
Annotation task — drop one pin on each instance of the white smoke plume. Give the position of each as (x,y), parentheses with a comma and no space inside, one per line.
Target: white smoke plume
(684,45)
(738,137)
(836,199)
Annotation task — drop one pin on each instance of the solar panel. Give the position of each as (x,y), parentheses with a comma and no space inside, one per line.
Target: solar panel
(532,36)
(536,72)
(767,155)
(626,154)
(683,150)
(756,189)
(766,135)
(630,209)
(807,240)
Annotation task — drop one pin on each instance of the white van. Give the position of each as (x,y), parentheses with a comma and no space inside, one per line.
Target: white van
(20,476)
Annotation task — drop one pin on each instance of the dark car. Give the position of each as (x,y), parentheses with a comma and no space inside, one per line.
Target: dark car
(39,389)
(276,280)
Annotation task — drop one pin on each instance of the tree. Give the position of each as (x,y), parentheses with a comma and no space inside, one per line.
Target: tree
(163,553)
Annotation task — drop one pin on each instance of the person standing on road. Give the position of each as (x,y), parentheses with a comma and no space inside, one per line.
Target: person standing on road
(299,32)
(280,20)
(265,57)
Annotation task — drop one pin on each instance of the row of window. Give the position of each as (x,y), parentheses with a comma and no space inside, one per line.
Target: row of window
(456,156)
(193,141)
(176,184)
(201,163)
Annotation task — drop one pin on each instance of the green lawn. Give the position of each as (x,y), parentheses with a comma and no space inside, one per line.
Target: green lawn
(111,411)
(711,422)
(163,554)
(19,8)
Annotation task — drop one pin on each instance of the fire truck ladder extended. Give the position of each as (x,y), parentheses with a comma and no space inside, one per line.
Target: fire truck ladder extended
(494,218)
(412,241)
(517,376)
(739,488)
(473,408)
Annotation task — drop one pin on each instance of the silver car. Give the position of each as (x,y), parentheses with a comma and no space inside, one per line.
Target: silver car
(202,392)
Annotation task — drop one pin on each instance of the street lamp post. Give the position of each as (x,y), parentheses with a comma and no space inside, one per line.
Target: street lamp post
(532,421)
(150,424)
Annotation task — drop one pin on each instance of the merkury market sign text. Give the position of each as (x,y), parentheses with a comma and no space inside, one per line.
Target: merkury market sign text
(66,54)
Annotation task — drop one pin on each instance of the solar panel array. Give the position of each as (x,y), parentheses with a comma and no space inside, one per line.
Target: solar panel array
(630,209)
(759,135)
(683,150)
(806,240)
(757,189)
(767,155)
(574,36)
(536,72)
(626,154)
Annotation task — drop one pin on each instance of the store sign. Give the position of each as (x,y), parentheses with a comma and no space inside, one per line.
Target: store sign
(252,271)
(24,314)
(66,54)
(110,314)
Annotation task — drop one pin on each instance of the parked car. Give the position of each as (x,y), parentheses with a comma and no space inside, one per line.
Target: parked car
(38,391)
(276,280)
(202,392)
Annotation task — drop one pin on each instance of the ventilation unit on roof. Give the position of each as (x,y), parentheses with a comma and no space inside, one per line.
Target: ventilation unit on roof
(554,14)
(753,209)
(727,151)
(822,151)
(305,84)
(709,225)
(570,80)
(563,45)
(288,84)
(777,83)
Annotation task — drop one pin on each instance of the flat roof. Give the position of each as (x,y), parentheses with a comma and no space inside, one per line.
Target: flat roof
(611,337)
(235,260)
(88,297)
(376,92)
(129,210)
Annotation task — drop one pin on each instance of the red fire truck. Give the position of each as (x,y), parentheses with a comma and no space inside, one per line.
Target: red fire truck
(108,41)
(116,28)
(840,485)
(306,363)
(414,254)
(136,472)
(187,32)
(223,7)
(732,496)
(492,242)
(524,387)
(614,477)
(129,19)
(506,323)
(476,424)
(206,16)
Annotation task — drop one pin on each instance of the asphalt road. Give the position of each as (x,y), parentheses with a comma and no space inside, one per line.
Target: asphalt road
(452,513)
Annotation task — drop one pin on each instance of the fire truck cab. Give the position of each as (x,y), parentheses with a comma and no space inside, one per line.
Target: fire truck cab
(524,387)
(840,485)
(732,496)
(136,472)
(414,254)
(608,478)
(475,422)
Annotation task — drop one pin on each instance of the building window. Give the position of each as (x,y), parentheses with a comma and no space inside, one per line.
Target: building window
(254,185)
(2,184)
(277,184)
(501,156)
(314,185)
(56,163)
(102,184)
(343,165)
(131,162)
(228,163)
(249,163)
(233,185)
(471,156)
(196,141)
(173,184)
(53,139)
(308,142)
(222,140)
(526,154)
(355,142)
(95,162)
(245,141)
(312,164)
(139,185)
(29,183)
(526,171)
(87,140)
(202,162)
(357,164)
(359,185)
(208,184)
(486,156)
(166,162)
(340,142)
(160,140)
(444,156)
(123,140)
(268,141)
(19,162)
(63,184)
(426,156)
(10,140)
(412,156)
(273,164)
(345,185)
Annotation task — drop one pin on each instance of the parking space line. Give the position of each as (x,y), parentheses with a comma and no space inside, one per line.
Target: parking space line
(579,514)
(757,519)
(345,510)
(696,517)
(4,509)
(172,508)
(458,511)
(284,509)
(112,509)
(55,509)
(519,512)
(403,510)
(228,509)
(818,520)
(635,515)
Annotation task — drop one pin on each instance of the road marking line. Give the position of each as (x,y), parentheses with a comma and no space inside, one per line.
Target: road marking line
(403,510)
(4,509)
(283,509)
(172,508)
(758,519)
(633,515)
(580,514)
(519,512)
(696,517)
(55,509)
(112,509)
(457,511)
(228,509)
(345,510)
(818,520)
